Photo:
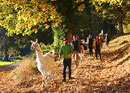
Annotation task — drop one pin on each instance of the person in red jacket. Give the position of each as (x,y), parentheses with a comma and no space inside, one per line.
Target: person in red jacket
(97,46)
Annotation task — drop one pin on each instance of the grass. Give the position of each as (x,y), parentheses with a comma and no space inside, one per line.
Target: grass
(7,63)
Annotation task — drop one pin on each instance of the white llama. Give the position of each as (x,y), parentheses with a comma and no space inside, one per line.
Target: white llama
(44,62)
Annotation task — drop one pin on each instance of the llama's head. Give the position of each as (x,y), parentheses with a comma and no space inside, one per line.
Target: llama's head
(35,45)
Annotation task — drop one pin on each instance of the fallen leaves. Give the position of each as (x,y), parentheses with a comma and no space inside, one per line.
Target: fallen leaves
(91,75)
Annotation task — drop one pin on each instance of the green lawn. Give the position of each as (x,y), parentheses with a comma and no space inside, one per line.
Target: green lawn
(7,63)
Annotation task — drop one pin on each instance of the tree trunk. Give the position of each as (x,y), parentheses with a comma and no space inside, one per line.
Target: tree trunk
(120,21)
(6,48)
(69,34)
(1,51)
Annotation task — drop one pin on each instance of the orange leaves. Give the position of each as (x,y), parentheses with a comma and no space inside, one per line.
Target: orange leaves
(81,7)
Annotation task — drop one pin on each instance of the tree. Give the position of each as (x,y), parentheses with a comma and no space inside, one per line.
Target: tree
(116,10)
(29,13)
(4,43)
(22,17)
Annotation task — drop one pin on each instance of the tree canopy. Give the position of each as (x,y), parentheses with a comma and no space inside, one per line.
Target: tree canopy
(23,16)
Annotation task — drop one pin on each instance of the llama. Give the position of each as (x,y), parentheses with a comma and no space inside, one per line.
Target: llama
(44,62)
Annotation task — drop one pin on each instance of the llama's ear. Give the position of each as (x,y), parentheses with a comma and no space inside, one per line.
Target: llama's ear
(31,41)
(36,40)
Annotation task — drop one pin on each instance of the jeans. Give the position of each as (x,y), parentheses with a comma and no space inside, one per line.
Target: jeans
(66,62)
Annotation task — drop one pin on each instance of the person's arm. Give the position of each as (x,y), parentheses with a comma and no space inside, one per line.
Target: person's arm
(83,49)
(72,44)
(100,43)
(71,52)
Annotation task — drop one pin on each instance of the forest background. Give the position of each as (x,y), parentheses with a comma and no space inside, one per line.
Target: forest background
(51,20)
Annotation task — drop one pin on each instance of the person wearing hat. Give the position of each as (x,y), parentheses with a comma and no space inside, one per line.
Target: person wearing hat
(66,52)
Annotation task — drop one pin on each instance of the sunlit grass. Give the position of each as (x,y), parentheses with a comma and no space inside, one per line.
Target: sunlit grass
(7,63)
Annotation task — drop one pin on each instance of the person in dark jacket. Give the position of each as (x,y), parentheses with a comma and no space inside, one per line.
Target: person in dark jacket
(90,45)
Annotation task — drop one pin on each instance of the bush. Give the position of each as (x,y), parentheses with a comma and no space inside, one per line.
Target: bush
(59,34)
(24,70)
(46,48)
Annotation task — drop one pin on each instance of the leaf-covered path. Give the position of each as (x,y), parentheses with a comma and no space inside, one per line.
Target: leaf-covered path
(110,75)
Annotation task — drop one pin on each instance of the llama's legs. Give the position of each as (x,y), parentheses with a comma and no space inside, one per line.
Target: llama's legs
(49,76)
(43,76)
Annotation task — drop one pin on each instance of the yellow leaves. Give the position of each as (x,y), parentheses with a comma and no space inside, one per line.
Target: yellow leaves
(53,0)
(52,17)
(35,30)
(46,26)
(97,8)
(79,1)
(29,15)
(49,19)
(44,20)
(81,7)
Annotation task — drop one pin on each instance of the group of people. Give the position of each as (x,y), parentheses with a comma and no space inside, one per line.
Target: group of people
(96,44)
(75,50)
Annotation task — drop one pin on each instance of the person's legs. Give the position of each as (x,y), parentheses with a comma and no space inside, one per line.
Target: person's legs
(77,59)
(74,57)
(64,69)
(99,53)
(82,57)
(96,53)
(69,68)
(107,44)
(90,51)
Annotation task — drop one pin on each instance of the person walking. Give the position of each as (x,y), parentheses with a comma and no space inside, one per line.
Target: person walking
(76,48)
(66,52)
(90,45)
(107,39)
(82,52)
(97,47)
